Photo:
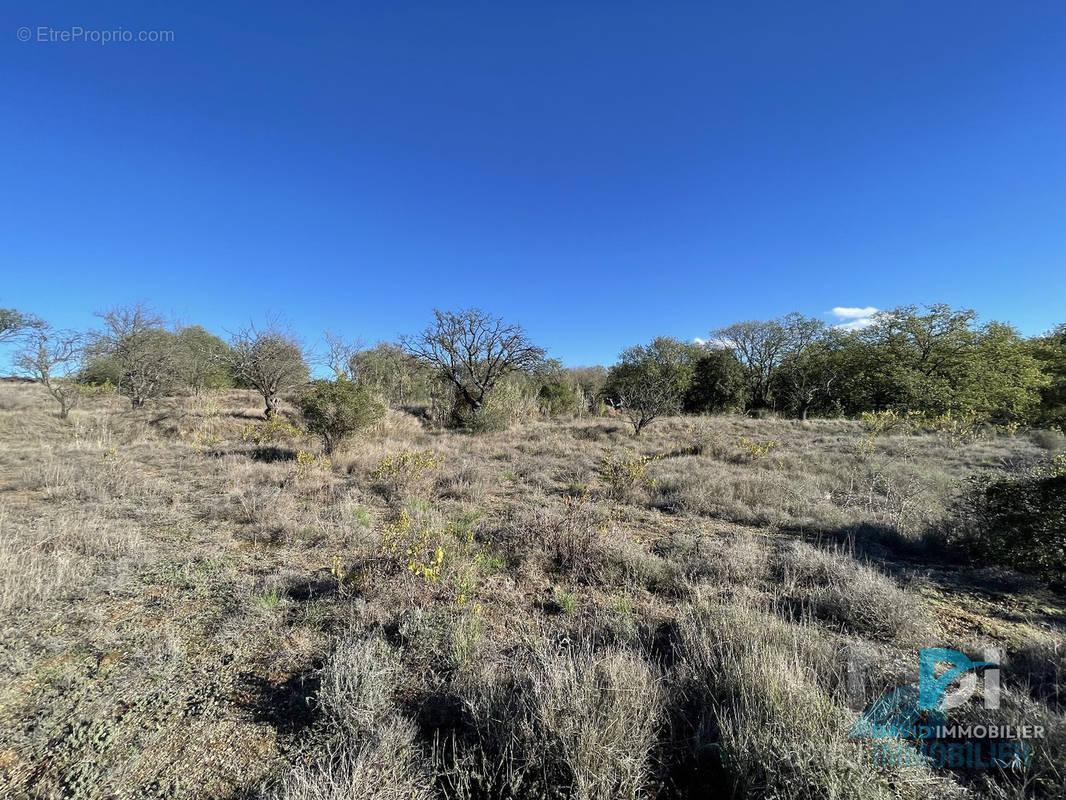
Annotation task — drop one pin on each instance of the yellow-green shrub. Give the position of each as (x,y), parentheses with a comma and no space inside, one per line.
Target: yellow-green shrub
(407,473)
(757,450)
(625,475)
(272,431)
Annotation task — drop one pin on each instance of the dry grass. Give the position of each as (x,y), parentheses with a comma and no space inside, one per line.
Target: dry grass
(187,613)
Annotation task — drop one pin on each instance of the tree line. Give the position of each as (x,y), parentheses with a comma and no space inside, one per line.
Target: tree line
(933,362)
(472,369)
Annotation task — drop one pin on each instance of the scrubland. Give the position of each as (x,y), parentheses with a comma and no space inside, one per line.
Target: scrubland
(198,604)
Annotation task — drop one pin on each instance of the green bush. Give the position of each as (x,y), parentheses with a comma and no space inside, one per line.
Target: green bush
(336,410)
(559,398)
(1017,521)
(719,384)
(100,371)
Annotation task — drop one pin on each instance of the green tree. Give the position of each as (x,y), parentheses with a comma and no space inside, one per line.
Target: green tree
(1004,379)
(918,358)
(1050,352)
(98,370)
(337,410)
(719,383)
(204,359)
(591,381)
(650,381)
(762,347)
(939,361)
(560,395)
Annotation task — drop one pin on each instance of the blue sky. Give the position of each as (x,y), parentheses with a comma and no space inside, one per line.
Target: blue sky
(600,172)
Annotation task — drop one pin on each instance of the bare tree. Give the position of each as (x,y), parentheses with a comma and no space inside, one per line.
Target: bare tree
(145,354)
(472,350)
(14,323)
(342,356)
(762,346)
(270,360)
(50,358)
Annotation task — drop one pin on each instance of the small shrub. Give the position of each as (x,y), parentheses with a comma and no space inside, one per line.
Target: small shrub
(959,429)
(383,766)
(757,450)
(274,431)
(879,423)
(834,587)
(602,712)
(573,539)
(566,601)
(737,557)
(1051,440)
(762,716)
(357,684)
(1017,521)
(419,547)
(371,753)
(307,463)
(574,723)
(464,482)
(704,441)
(622,605)
(408,473)
(270,599)
(337,410)
(467,631)
(625,475)
(441,638)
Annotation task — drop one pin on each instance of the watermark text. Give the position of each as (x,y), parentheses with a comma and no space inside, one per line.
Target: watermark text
(77,34)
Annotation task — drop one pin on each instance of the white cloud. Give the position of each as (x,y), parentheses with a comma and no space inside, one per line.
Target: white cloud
(856,324)
(847,312)
(714,343)
(853,318)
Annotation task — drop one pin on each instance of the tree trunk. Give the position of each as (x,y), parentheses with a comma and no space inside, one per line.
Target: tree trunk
(273,403)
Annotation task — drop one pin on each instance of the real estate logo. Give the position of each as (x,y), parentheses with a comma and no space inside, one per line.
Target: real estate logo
(910,724)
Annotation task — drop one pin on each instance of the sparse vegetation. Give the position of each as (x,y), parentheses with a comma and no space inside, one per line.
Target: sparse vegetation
(199,603)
